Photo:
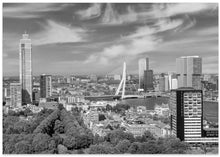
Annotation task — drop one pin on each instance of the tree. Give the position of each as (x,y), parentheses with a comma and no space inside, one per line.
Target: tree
(43,142)
(23,147)
(61,149)
(172,145)
(101,117)
(97,139)
(59,127)
(60,107)
(145,137)
(27,112)
(123,146)
(103,149)
(108,107)
(58,140)
(134,148)
(149,147)
(83,141)
(9,145)
(69,142)
(117,135)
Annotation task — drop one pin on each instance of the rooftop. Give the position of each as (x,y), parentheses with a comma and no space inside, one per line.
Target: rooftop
(190,57)
(186,89)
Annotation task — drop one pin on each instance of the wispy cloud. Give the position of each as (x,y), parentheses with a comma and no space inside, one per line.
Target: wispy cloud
(59,33)
(91,12)
(30,10)
(129,46)
(167,10)
(151,13)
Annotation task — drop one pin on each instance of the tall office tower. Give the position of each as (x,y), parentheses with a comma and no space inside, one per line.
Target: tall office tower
(25,68)
(143,64)
(186,113)
(189,71)
(15,93)
(167,83)
(162,84)
(148,80)
(171,76)
(45,86)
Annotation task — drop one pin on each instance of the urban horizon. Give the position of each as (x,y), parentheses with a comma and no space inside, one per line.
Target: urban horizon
(140,78)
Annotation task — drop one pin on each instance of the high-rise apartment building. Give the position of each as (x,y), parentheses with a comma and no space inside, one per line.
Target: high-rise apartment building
(186,113)
(189,71)
(143,64)
(25,68)
(15,94)
(148,80)
(45,86)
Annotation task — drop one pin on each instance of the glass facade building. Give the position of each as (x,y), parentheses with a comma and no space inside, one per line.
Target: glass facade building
(45,86)
(189,71)
(25,68)
(143,64)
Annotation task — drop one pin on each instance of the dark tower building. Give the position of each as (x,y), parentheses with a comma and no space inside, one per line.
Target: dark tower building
(148,80)
(45,86)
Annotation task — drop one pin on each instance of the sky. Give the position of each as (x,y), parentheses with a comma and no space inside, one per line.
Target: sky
(96,38)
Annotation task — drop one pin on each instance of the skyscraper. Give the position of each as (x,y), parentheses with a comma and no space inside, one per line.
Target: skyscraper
(15,94)
(45,86)
(186,113)
(167,83)
(148,80)
(189,71)
(162,84)
(25,68)
(143,64)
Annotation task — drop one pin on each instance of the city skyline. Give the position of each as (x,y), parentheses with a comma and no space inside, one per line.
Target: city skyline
(96,35)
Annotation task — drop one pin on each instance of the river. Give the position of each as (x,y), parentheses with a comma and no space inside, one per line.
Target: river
(210,109)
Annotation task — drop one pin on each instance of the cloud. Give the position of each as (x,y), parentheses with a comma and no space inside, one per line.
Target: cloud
(167,24)
(142,31)
(30,10)
(210,59)
(112,17)
(188,8)
(208,31)
(129,46)
(136,14)
(93,11)
(59,33)
(210,68)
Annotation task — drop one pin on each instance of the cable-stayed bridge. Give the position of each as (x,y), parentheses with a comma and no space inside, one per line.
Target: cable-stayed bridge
(120,92)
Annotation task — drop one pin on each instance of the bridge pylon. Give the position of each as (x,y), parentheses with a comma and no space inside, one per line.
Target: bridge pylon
(122,83)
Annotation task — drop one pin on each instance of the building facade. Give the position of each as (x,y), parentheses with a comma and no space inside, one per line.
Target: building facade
(186,113)
(189,71)
(45,86)
(15,94)
(174,84)
(25,68)
(148,80)
(143,64)
(162,84)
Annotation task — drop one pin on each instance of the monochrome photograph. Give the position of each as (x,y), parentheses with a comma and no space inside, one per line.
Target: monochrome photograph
(110,78)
